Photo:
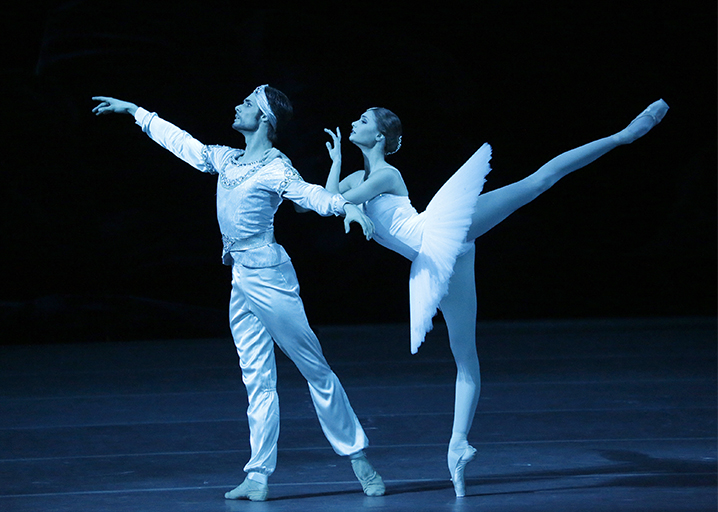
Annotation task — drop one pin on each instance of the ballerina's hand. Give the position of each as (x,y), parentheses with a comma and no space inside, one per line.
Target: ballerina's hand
(335,151)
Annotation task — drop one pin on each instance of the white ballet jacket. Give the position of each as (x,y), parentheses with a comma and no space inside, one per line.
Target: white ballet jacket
(265,306)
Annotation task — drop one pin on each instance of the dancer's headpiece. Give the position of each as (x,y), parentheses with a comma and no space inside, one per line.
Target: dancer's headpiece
(264,105)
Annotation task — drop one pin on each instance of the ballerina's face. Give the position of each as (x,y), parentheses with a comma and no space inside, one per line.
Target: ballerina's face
(365,131)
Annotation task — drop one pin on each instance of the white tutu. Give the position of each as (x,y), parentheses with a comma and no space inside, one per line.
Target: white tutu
(433,239)
(446,222)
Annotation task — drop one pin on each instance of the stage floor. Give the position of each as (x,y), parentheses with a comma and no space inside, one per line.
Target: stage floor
(574,416)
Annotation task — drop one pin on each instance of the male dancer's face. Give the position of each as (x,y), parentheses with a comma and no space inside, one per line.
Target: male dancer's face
(246,117)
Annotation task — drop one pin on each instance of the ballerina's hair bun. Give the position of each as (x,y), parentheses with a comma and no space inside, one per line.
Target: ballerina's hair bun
(390,126)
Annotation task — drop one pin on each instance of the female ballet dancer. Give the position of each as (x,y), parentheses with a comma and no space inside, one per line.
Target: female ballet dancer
(440,241)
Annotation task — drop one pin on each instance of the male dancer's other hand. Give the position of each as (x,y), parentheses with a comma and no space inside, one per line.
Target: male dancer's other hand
(354,214)
(113,106)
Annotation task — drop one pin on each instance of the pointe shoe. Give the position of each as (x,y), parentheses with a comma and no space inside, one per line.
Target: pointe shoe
(457,474)
(655,112)
(371,482)
(249,489)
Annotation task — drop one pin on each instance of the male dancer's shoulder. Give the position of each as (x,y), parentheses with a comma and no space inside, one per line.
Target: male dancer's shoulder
(216,158)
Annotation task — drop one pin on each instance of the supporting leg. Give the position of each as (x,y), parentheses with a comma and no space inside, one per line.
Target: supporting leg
(255,348)
(459,310)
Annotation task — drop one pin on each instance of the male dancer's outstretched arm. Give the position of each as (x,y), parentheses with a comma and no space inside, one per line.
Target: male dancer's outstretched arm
(109,105)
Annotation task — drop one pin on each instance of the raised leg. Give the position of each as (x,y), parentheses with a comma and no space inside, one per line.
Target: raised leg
(493,207)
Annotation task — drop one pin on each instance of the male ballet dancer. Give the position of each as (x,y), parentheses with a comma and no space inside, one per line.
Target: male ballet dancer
(265,306)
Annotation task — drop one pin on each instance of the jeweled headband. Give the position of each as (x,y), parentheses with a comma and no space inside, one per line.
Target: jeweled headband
(264,105)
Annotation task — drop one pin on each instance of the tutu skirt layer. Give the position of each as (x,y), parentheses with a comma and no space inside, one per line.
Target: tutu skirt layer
(447,219)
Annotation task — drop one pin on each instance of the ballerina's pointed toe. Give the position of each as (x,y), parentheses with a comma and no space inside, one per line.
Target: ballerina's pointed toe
(457,476)
(656,111)
(643,123)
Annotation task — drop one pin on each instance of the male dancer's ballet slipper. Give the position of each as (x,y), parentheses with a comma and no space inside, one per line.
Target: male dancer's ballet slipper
(654,112)
(371,482)
(457,474)
(249,489)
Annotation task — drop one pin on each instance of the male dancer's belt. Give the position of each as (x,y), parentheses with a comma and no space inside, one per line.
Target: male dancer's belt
(231,244)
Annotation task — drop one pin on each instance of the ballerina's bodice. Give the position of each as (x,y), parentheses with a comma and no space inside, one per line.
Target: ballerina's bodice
(398,225)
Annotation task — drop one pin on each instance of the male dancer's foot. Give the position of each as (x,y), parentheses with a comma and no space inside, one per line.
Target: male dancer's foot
(371,482)
(249,489)
(460,454)
(642,124)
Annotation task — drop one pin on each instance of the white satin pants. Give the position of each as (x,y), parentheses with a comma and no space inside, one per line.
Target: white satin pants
(264,308)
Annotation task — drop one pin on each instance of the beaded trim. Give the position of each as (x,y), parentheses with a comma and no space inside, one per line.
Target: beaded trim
(252,168)
(290,174)
(232,183)
(208,167)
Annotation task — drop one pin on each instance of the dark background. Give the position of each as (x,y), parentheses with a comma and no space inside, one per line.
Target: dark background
(106,236)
